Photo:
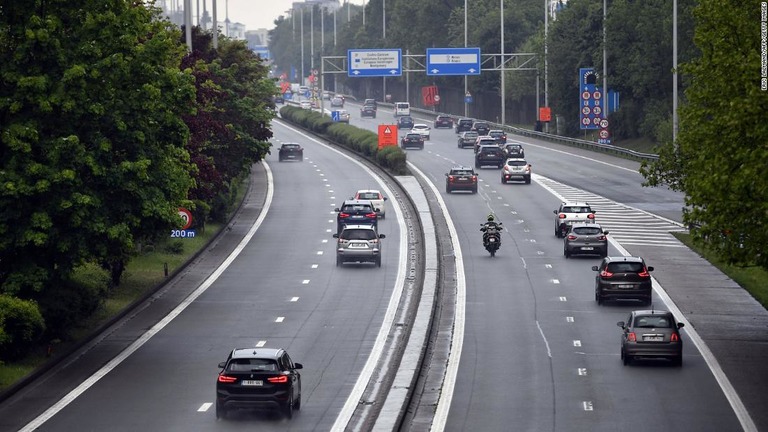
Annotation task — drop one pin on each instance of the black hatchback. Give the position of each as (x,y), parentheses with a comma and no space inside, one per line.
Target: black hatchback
(651,334)
(623,278)
(405,122)
(290,151)
(258,378)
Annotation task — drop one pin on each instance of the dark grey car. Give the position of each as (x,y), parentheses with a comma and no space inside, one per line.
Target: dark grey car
(623,278)
(651,334)
(586,239)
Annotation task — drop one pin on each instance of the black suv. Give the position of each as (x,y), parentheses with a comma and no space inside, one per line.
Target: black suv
(412,140)
(371,102)
(356,212)
(481,127)
(489,155)
(290,151)
(623,278)
(368,111)
(258,378)
(461,178)
(463,125)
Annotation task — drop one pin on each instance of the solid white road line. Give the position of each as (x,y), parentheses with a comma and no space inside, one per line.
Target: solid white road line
(144,338)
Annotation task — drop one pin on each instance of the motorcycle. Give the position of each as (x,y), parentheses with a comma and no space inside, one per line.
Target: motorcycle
(491,237)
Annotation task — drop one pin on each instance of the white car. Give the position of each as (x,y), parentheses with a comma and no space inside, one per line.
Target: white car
(374,197)
(344,116)
(306,105)
(421,129)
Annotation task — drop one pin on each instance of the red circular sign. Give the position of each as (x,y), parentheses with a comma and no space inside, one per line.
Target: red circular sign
(437,98)
(604,123)
(585,95)
(604,134)
(586,110)
(186,217)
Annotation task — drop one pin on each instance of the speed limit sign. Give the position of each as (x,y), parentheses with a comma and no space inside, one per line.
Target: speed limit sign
(186,217)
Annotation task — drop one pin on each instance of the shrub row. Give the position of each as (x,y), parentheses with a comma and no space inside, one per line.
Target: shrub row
(361,141)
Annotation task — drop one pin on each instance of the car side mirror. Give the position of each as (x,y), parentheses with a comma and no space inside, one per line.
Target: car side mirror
(680,325)
(382,236)
(594,268)
(606,232)
(385,198)
(620,324)
(222,364)
(335,236)
(650,269)
(553,211)
(336,210)
(298,366)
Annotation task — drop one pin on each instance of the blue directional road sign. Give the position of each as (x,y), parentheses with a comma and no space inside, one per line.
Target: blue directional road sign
(374,63)
(336,115)
(453,61)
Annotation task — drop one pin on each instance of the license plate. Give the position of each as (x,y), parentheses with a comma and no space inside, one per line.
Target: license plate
(653,338)
(463,178)
(253,383)
(587,248)
(626,286)
(358,246)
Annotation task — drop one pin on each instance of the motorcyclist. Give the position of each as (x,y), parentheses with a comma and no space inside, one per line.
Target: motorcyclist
(490,227)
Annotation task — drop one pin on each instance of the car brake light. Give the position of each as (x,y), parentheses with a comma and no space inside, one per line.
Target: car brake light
(343,215)
(644,274)
(282,379)
(606,274)
(591,216)
(370,215)
(601,237)
(561,216)
(571,237)
(631,337)
(450,178)
(674,338)
(474,178)
(226,379)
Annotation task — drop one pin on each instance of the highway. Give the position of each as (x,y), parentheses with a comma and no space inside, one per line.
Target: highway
(536,352)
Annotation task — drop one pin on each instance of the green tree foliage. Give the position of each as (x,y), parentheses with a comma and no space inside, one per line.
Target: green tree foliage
(92,153)
(721,155)
(229,129)
(21,325)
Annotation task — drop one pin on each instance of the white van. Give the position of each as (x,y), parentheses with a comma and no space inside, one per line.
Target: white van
(402,109)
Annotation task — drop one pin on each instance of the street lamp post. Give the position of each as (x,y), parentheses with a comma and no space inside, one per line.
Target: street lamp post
(605,60)
(383,38)
(546,63)
(301,16)
(674,74)
(466,89)
(503,66)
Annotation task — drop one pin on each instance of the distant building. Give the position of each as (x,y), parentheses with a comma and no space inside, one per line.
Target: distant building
(556,6)
(258,37)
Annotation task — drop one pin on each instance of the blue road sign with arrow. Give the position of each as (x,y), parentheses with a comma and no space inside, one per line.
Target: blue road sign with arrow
(453,61)
(374,63)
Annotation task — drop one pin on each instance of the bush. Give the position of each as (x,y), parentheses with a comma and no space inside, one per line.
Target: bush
(73,300)
(21,326)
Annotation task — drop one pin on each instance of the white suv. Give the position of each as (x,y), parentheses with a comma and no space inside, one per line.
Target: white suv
(358,243)
(374,197)
(570,213)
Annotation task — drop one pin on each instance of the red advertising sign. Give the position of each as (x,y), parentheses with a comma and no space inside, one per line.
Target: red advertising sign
(429,95)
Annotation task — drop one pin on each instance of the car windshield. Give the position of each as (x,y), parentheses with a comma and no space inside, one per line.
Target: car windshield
(462,173)
(496,133)
(517,163)
(587,231)
(654,321)
(368,195)
(576,209)
(413,136)
(291,146)
(625,267)
(250,365)
(513,147)
(358,234)
(470,134)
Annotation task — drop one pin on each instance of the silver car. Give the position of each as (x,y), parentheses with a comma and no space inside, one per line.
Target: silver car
(467,138)
(585,239)
(358,243)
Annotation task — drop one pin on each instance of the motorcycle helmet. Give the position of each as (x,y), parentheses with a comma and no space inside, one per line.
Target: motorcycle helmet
(490,218)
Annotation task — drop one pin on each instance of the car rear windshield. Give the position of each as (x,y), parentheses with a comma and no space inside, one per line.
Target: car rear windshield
(517,163)
(368,196)
(465,122)
(496,133)
(587,231)
(413,136)
(358,234)
(356,208)
(290,146)
(490,151)
(625,267)
(470,134)
(653,322)
(462,173)
(251,365)
(577,210)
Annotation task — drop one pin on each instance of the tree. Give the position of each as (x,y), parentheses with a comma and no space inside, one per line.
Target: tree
(721,155)
(92,153)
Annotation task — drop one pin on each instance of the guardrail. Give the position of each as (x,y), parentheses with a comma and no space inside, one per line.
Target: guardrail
(574,142)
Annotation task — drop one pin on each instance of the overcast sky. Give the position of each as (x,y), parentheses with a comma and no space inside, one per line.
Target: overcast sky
(255,14)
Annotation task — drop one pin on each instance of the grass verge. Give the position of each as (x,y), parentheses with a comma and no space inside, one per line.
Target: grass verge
(752,279)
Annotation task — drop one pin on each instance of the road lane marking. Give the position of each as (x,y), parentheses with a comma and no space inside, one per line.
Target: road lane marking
(294,299)
(144,338)
(204,407)
(305,281)
(261,343)
(279,319)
